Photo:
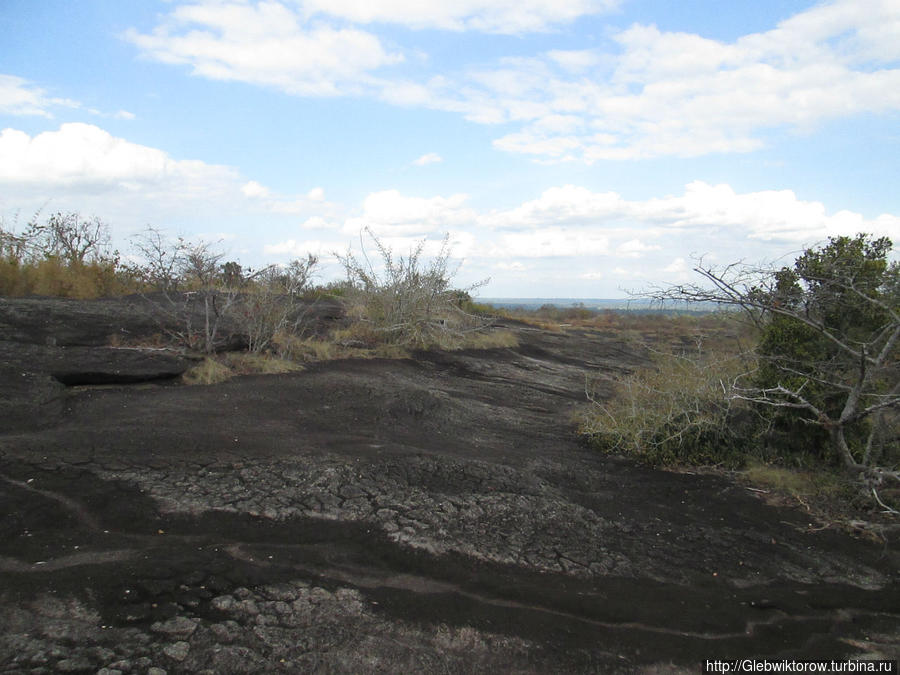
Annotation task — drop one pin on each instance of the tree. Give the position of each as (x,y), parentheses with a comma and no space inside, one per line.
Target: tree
(190,293)
(71,238)
(829,353)
(160,259)
(207,304)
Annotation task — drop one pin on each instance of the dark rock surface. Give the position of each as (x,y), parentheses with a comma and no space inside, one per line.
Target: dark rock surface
(434,514)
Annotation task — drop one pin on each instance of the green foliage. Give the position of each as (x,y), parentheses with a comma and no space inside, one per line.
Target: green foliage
(829,313)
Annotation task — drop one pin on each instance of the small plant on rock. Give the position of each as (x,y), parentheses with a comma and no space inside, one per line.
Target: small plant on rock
(408,301)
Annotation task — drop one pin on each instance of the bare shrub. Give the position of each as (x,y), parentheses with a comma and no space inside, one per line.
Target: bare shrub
(270,303)
(206,304)
(676,410)
(409,301)
(66,256)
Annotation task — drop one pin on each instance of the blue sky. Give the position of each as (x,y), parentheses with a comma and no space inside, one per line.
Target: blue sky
(570,148)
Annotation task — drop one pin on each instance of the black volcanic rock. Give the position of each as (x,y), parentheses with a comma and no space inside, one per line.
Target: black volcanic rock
(431,514)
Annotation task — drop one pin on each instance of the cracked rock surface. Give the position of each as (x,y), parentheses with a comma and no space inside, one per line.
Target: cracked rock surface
(434,514)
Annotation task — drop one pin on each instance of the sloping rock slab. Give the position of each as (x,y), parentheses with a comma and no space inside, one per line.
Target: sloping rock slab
(85,365)
(95,323)
(65,322)
(94,365)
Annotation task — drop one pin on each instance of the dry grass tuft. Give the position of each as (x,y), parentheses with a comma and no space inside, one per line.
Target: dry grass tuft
(208,371)
(493,339)
(220,368)
(800,484)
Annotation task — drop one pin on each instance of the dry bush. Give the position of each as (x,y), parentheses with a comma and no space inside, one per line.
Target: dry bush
(67,256)
(207,303)
(408,301)
(676,410)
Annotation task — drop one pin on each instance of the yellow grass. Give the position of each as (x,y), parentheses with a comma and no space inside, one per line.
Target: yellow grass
(215,369)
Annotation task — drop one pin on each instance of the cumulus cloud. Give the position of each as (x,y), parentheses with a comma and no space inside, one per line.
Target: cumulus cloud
(253,189)
(634,248)
(565,204)
(574,222)
(18,96)
(391,214)
(765,215)
(657,93)
(87,156)
(491,16)
(681,94)
(293,248)
(551,242)
(269,201)
(264,43)
(81,167)
(428,158)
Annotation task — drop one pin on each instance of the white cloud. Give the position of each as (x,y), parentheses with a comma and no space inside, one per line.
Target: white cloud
(765,215)
(264,43)
(514,266)
(81,167)
(293,248)
(20,97)
(389,213)
(685,95)
(314,199)
(253,189)
(319,223)
(574,222)
(491,16)
(634,248)
(87,156)
(678,268)
(565,204)
(550,242)
(428,158)
(570,232)
(575,60)
(659,93)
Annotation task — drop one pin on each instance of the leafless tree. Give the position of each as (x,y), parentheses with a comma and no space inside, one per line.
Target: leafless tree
(72,238)
(205,302)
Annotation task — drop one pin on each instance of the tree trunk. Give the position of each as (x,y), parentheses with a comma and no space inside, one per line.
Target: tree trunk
(840,444)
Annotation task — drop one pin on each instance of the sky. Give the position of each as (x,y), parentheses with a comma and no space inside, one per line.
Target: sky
(568,148)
